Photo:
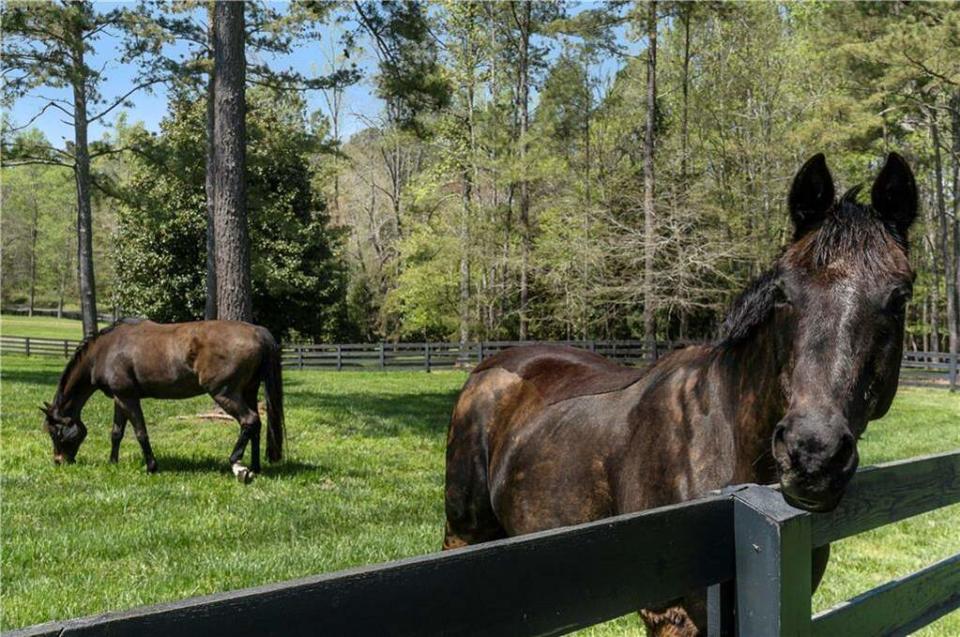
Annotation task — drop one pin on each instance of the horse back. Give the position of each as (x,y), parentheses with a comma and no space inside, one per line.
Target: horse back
(173,360)
(559,372)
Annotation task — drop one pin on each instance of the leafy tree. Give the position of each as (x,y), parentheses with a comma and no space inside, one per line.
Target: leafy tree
(297,279)
(39,232)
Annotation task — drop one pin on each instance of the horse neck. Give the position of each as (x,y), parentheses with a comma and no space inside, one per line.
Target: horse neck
(751,373)
(78,386)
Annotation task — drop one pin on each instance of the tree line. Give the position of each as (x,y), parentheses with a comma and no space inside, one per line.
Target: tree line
(538,170)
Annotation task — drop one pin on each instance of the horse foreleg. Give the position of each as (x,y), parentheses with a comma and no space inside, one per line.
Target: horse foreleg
(116,434)
(680,618)
(249,421)
(132,408)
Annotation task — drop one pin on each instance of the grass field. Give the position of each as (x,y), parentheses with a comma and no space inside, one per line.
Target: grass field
(362,484)
(41,327)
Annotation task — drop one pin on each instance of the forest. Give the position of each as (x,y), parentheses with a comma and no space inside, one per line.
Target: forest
(535,170)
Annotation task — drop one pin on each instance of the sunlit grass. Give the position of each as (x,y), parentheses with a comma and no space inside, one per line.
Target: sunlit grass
(363,483)
(41,327)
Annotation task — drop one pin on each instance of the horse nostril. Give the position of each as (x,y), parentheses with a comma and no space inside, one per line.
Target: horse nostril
(778,434)
(844,448)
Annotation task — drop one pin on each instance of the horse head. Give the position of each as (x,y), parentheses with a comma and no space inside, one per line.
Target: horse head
(839,292)
(66,433)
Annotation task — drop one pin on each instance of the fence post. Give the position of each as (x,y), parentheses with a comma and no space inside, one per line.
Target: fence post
(27,345)
(66,348)
(383,361)
(721,605)
(339,357)
(953,370)
(773,556)
(300,356)
(426,356)
(479,352)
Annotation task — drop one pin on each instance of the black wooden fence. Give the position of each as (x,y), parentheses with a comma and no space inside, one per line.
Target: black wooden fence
(924,368)
(746,544)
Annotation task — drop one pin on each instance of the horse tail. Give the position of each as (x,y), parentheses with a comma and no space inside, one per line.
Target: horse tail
(270,372)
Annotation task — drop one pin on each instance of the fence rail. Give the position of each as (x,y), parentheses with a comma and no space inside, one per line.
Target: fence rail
(745,543)
(924,368)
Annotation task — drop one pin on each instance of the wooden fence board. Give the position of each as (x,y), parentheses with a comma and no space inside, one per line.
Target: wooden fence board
(899,607)
(547,583)
(887,493)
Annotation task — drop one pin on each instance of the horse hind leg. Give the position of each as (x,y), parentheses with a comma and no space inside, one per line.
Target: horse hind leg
(249,421)
(250,397)
(469,512)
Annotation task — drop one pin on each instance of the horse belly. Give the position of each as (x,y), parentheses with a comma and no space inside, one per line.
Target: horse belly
(556,472)
(176,389)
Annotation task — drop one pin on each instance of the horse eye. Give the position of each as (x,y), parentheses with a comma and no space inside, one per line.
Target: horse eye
(780,295)
(898,299)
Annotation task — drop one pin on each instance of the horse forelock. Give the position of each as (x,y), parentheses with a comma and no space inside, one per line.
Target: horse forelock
(851,237)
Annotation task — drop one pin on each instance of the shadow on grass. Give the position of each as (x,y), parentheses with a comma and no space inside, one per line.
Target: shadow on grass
(425,414)
(181,464)
(32,377)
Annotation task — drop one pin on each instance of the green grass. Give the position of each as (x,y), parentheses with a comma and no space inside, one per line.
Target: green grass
(41,327)
(362,484)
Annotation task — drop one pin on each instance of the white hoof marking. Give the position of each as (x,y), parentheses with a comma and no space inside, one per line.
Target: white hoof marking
(242,473)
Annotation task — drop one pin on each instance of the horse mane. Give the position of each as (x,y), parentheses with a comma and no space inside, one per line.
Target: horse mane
(848,229)
(81,350)
(751,308)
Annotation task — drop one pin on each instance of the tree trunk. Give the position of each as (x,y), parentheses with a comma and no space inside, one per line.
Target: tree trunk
(210,308)
(469,174)
(934,290)
(945,252)
(649,244)
(955,189)
(524,95)
(229,155)
(34,231)
(87,282)
(63,285)
(686,10)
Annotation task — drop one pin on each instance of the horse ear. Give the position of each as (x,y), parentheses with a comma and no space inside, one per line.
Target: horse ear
(811,194)
(45,408)
(894,194)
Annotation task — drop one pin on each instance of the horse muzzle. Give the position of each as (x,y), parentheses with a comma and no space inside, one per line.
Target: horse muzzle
(816,459)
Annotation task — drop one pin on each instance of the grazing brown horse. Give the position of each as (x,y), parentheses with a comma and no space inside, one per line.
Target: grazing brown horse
(134,359)
(549,436)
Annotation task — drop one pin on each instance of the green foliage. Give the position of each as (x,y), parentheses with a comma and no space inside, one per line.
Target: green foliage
(38,198)
(298,280)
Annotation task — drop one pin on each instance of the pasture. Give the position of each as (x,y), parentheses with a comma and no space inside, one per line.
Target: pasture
(42,327)
(362,483)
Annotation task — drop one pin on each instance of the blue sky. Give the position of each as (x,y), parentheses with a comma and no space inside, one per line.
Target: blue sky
(311,60)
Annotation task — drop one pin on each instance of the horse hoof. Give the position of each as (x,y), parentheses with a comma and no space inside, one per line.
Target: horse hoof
(152,468)
(244,475)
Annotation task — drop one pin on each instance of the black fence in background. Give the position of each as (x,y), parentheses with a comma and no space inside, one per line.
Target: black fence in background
(920,368)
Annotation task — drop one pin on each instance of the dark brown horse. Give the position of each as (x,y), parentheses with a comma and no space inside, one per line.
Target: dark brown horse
(548,436)
(135,359)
